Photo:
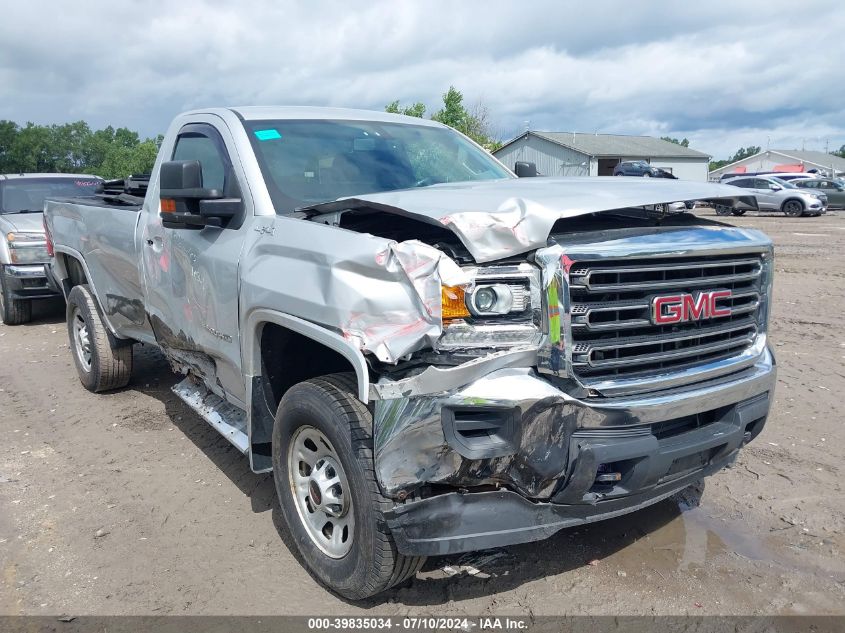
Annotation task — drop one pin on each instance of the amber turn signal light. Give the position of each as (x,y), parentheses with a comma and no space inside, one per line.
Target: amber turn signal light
(453,300)
(168,205)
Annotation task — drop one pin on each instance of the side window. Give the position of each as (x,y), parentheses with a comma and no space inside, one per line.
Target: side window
(199,145)
(759,183)
(746,183)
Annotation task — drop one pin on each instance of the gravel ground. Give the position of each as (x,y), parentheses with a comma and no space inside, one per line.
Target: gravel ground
(128,503)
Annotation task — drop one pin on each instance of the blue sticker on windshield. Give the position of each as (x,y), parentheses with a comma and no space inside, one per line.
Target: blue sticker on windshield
(267,135)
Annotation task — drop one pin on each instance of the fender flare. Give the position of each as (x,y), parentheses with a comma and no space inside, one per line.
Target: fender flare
(255,322)
(63,275)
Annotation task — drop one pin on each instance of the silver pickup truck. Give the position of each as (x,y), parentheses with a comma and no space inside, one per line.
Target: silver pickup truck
(431,355)
(23,248)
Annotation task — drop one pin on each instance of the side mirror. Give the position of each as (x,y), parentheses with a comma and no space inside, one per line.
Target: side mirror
(525,170)
(775,187)
(186,204)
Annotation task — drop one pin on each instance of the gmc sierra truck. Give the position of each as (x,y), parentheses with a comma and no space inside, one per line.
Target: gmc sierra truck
(431,355)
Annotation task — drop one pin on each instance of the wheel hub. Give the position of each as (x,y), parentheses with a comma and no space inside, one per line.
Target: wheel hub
(82,340)
(321,492)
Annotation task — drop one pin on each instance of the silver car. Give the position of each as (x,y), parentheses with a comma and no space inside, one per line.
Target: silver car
(774,194)
(23,248)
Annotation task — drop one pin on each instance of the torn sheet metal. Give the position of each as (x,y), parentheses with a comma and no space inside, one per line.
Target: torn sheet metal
(499,218)
(411,449)
(382,296)
(436,379)
(392,335)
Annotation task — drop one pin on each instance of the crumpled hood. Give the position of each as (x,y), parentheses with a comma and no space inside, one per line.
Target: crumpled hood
(500,218)
(24,222)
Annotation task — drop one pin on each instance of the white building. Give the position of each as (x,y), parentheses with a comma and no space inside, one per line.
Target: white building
(574,154)
(785,160)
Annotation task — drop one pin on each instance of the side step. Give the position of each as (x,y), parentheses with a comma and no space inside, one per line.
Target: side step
(229,420)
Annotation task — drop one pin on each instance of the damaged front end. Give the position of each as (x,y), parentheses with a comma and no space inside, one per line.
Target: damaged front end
(495,406)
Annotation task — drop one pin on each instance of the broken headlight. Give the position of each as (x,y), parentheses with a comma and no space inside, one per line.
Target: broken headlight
(499,310)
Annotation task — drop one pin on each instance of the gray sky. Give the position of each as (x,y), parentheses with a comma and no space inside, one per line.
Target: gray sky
(723,74)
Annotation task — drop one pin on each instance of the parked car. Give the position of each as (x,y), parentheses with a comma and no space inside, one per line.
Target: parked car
(833,188)
(662,173)
(774,194)
(635,168)
(791,175)
(23,249)
(423,363)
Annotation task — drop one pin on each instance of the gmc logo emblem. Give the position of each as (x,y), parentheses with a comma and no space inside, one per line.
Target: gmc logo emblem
(687,307)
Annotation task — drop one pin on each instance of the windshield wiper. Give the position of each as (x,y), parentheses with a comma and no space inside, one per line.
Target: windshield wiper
(22,211)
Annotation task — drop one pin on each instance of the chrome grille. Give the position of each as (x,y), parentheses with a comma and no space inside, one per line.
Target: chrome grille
(610,306)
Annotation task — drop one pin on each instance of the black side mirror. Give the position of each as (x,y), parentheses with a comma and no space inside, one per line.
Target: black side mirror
(525,170)
(185,203)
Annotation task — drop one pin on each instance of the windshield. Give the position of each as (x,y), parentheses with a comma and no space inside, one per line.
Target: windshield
(784,183)
(28,194)
(312,161)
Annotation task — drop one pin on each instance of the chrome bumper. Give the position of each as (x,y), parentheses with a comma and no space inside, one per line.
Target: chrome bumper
(529,423)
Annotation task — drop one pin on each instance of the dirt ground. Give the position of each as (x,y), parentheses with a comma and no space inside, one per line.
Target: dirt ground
(128,503)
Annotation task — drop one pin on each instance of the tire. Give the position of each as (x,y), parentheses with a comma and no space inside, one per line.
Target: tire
(13,311)
(793,208)
(646,175)
(739,211)
(723,210)
(101,364)
(326,412)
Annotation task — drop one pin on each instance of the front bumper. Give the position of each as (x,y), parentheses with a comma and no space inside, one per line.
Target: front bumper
(509,458)
(28,281)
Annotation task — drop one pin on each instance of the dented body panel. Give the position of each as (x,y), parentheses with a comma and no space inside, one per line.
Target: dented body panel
(560,398)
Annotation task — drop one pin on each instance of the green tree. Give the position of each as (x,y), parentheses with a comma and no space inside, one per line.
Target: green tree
(738,155)
(8,132)
(683,143)
(839,152)
(474,122)
(416,110)
(74,148)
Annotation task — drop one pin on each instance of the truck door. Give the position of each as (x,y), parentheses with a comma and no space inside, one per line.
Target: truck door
(191,276)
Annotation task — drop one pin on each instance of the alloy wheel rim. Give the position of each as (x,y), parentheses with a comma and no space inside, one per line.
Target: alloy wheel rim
(82,340)
(320,491)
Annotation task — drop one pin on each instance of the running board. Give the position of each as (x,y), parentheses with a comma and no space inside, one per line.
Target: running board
(229,420)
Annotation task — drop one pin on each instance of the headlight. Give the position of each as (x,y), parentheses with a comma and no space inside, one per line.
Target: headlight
(27,248)
(499,309)
(497,299)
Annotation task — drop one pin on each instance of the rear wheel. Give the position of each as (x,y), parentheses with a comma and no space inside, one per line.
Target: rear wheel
(329,497)
(13,311)
(722,209)
(739,211)
(793,208)
(101,364)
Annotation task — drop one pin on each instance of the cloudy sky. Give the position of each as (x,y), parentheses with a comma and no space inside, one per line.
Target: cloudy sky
(723,74)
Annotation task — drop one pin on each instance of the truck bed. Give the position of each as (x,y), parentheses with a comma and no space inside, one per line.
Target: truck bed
(103,231)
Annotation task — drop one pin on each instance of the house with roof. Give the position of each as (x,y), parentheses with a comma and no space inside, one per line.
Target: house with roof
(577,154)
(784,160)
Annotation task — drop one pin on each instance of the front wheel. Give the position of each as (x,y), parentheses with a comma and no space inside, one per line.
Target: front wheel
(328,493)
(793,208)
(646,175)
(721,209)
(13,311)
(739,211)
(100,363)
